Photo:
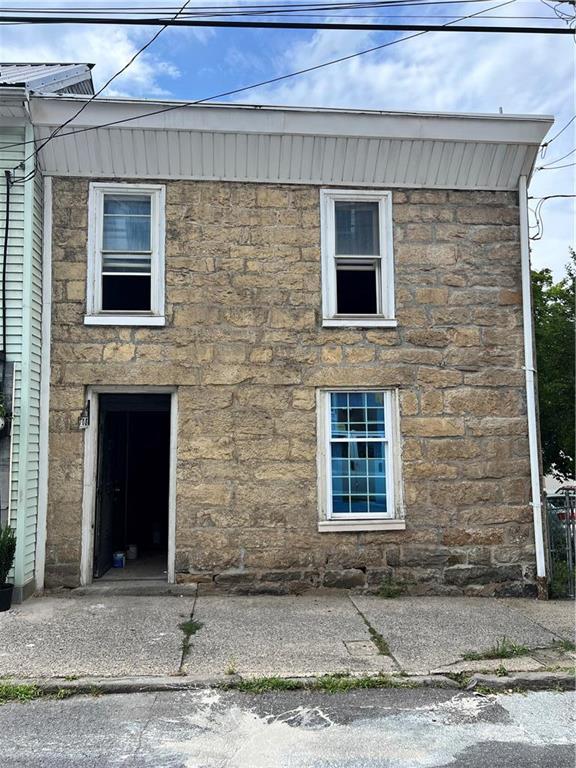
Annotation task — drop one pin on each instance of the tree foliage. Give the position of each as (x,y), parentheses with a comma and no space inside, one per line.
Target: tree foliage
(555,339)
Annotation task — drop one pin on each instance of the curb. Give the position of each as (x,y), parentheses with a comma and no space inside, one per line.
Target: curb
(524,681)
(481,683)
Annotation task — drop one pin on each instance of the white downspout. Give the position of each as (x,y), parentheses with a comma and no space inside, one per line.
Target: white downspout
(529,368)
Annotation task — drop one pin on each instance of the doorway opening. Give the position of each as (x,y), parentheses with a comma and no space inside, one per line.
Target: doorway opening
(132,487)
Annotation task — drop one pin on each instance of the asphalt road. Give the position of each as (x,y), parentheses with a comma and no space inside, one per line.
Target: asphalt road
(295,729)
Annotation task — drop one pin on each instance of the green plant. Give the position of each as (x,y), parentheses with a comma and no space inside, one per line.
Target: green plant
(230,668)
(13,692)
(559,585)
(189,628)
(335,683)
(389,588)
(503,649)
(564,646)
(7,551)
(501,671)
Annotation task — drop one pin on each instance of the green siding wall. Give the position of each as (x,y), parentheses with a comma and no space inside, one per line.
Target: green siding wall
(24,307)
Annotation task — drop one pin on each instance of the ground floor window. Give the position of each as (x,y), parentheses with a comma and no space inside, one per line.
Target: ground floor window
(358,449)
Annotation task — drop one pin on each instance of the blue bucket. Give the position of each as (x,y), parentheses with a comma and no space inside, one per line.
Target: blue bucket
(118,560)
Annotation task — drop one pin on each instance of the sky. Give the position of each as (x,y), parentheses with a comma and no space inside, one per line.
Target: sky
(438,71)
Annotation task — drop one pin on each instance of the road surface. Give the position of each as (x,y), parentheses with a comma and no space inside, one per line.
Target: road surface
(293,729)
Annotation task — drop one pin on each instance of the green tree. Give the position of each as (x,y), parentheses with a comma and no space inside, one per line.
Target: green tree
(555,339)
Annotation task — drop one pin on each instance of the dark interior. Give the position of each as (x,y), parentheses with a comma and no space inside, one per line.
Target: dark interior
(133,480)
(356,291)
(126,293)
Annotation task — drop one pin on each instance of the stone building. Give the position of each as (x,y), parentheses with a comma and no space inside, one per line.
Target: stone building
(288,348)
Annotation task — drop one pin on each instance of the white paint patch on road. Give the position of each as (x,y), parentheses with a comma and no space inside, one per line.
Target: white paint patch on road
(544,715)
(417,738)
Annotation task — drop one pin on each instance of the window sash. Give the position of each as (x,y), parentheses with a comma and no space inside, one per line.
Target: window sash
(107,262)
(331,260)
(388,441)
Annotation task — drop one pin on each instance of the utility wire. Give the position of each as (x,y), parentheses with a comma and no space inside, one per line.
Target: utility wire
(558,159)
(270,81)
(211,23)
(57,130)
(546,144)
(554,167)
(547,197)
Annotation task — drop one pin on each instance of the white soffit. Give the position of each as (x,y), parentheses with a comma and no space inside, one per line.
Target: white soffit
(289,145)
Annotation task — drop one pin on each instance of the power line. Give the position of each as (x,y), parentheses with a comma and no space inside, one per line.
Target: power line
(270,81)
(547,197)
(127,21)
(555,167)
(560,132)
(57,130)
(558,159)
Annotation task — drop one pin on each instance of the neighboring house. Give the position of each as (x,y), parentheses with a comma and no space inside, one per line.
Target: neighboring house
(21,323)
(289,347)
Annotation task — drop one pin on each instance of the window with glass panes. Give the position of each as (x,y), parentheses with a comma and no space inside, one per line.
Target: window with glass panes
(357,269)
(359,454)
(126,252)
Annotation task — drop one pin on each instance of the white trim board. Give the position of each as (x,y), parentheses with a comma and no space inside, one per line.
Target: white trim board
(90,471)
(43,468)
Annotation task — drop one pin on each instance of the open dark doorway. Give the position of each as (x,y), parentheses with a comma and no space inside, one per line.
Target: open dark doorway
(132,488)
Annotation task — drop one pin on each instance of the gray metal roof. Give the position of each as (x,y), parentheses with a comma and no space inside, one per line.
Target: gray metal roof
(49,78)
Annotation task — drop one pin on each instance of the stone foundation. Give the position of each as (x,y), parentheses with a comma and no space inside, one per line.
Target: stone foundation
(245,348)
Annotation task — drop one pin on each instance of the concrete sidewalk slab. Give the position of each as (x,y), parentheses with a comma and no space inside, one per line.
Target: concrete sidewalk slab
(46,637)
(433,632)
(287,636)
(558,616)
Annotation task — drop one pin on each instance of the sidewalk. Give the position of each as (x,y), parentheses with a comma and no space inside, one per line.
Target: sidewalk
(315,634)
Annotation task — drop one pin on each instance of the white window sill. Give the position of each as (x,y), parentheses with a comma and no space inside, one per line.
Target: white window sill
(144,320)
(359,322)
(355,526)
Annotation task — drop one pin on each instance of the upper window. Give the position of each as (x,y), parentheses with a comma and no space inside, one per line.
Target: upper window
(357,265)
(126,255)
(359,446)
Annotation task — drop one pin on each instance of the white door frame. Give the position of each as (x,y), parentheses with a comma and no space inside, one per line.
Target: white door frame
(91,467)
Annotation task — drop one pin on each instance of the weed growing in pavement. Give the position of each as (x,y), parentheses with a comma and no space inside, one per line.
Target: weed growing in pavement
(189,628)
(379,642)
(230,668)
(19,692)
(28,692)
(335,683)
(389,588)
(501,671)
(564,646)
(503,649)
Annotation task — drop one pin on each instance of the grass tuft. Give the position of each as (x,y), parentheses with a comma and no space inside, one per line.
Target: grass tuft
(389,588)
(21,692)
(336,683)
(379,641)
(564,646)
(503,649)
(189,628)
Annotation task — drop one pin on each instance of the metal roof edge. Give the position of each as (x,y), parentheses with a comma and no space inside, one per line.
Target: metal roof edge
(461,127)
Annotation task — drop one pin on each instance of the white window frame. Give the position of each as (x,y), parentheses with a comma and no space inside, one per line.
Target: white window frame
(385,272)
(95,315)
(394,517)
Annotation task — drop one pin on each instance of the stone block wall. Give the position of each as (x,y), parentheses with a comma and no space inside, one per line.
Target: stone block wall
(245,347)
